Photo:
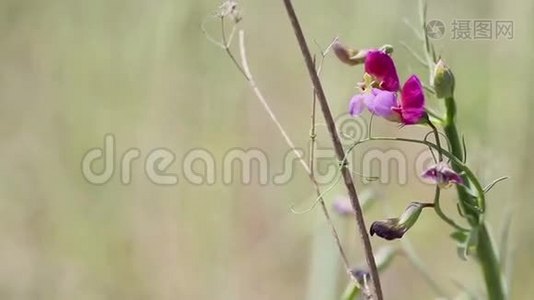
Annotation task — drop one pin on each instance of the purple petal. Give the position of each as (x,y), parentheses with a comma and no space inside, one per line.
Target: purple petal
(381,66)
(430,174)
(382,103)
(451,176)
(442,175)
(356,105)
(343,206)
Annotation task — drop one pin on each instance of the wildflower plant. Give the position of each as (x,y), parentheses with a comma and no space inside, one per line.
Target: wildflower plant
(381,93)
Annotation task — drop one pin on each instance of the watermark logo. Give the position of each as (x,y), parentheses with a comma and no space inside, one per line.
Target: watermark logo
(435,29)
(472,29)
(199,166)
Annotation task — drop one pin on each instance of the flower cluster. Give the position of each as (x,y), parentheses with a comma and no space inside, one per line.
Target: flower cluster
(380,88)
(381,93)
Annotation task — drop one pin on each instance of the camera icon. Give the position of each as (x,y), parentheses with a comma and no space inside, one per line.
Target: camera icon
(435,29)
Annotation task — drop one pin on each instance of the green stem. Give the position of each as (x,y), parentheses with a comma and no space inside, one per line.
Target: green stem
(436,136)
(486,251)
(456,149)
(487,256)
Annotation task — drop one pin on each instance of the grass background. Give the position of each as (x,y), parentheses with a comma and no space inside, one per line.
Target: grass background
(73,71)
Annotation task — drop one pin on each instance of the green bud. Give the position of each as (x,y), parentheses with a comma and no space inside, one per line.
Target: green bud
(442,80)
(387,49)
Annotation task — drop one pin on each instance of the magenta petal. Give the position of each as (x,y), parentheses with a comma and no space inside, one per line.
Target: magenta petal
(412,93)
(430,174)
(381,66)
(412,116)
(382,103)
(412,101)
(356,105)
(451,176)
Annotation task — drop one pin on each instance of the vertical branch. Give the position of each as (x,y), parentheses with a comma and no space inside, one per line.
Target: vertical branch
(313,135)
(340,153)
(312,175)
(289,142)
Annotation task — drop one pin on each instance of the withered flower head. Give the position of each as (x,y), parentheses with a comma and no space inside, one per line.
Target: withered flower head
(349,56)
(395,228)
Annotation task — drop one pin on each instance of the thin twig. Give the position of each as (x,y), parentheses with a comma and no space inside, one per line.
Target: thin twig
(289,142)
(419,59)
(338,147)
(442,215)
(226,44)
(313,134)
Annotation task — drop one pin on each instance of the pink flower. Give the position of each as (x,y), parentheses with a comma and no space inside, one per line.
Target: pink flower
(379,92)
(442,175)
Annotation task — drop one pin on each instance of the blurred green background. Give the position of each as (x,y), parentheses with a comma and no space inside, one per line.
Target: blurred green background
(73,71)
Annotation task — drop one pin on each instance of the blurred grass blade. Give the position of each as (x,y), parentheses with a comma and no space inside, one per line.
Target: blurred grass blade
(351,292)
(504,238)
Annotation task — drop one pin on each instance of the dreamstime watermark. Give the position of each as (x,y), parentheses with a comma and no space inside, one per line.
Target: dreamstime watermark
(471,29)
(199,166)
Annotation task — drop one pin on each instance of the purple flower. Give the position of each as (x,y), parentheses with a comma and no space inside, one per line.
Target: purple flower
(442,175)
(379,65)
(379,92)
(343,206)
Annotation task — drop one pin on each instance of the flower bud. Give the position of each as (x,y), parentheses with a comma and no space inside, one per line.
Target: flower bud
(349,56)
(395,228)
(442,80)
(387,48)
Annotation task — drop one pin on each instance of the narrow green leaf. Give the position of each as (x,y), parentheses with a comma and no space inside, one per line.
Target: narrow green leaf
(460,236)
(469,245)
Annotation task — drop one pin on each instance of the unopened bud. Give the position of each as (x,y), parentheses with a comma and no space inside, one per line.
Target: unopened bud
(388,49)
(442,80)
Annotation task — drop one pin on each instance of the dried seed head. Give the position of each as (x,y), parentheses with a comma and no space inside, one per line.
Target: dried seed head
(230,9)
